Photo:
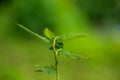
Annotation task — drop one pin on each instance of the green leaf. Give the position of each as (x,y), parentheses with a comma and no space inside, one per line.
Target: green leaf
(47,69)
(70,35)
(59,43)
(33,33)
(67,54)
(49,34)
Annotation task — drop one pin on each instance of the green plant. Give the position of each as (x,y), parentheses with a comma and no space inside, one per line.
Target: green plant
(56,45)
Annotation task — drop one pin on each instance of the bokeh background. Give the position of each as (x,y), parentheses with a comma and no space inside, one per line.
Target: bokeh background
(98,19)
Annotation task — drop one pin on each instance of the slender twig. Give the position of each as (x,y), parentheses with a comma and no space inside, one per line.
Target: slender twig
(33,33)
(55,57)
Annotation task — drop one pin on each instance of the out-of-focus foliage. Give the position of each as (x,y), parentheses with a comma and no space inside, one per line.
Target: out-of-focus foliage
(99,19)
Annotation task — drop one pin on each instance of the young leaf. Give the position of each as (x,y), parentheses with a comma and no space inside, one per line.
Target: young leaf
(33,33)
(49,34)
(58,44)
(70,35)
(69,55)
(47,69)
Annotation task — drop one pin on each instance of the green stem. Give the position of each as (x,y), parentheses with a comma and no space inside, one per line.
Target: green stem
(56,59)
(33,33)
(56,66)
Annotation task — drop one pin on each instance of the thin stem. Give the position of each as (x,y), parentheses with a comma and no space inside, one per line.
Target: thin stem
(56,66)
(33,33)
(56,59)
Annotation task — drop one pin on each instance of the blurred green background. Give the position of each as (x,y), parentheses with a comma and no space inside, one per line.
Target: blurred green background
(98,19)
